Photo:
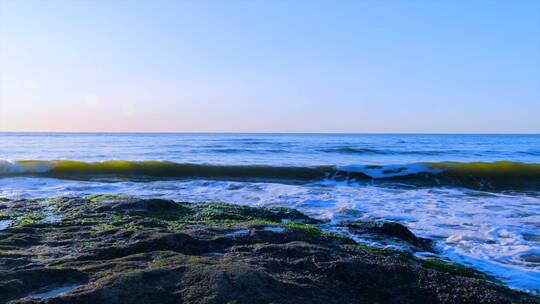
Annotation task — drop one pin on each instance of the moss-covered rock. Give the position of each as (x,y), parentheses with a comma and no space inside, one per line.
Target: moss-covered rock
(121,249)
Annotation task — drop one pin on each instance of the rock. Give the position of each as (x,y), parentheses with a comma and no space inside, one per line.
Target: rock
(130,250)
(385,232)
(134,205)
(17,283)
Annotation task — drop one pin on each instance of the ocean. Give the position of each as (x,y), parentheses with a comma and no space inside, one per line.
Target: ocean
(476,196)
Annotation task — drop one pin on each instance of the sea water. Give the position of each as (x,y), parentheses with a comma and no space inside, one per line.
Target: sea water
(476,196)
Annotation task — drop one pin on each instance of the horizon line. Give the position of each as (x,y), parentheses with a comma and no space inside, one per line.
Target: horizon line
(275,132)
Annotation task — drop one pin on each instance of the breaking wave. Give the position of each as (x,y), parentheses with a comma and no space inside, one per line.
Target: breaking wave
(486,175)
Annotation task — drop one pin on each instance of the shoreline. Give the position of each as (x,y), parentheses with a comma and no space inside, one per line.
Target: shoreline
(116,248)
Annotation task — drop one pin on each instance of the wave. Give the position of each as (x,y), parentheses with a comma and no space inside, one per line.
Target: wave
(67,168)
(250,150)
(484,175)
(479,175)
(352,150)
(357,150)
(501,174)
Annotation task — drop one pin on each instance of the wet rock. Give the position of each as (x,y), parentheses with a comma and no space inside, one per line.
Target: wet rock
(387,232)
(130,250)
(20,283)
(136,205)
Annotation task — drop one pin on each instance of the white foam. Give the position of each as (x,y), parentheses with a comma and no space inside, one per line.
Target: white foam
(493,232)
(469,236)
(5,223)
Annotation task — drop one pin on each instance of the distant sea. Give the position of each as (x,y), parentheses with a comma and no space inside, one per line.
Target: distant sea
(477,196)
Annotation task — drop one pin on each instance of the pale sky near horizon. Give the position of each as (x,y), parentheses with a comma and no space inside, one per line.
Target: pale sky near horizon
(276,66)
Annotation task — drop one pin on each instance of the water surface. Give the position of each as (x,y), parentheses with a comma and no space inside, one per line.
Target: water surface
(477,196)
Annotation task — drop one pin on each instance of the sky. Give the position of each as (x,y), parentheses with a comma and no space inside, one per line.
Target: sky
(270,66)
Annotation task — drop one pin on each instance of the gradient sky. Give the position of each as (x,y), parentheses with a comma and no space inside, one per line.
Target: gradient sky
(280,66)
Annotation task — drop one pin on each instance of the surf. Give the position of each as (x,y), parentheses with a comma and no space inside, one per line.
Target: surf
(485,175)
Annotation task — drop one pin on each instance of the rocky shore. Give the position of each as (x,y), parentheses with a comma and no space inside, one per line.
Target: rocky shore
(118,249)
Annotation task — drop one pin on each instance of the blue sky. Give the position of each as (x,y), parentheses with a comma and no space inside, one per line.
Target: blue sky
(279,66)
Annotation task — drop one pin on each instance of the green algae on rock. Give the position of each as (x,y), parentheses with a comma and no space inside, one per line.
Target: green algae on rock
(121,249)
